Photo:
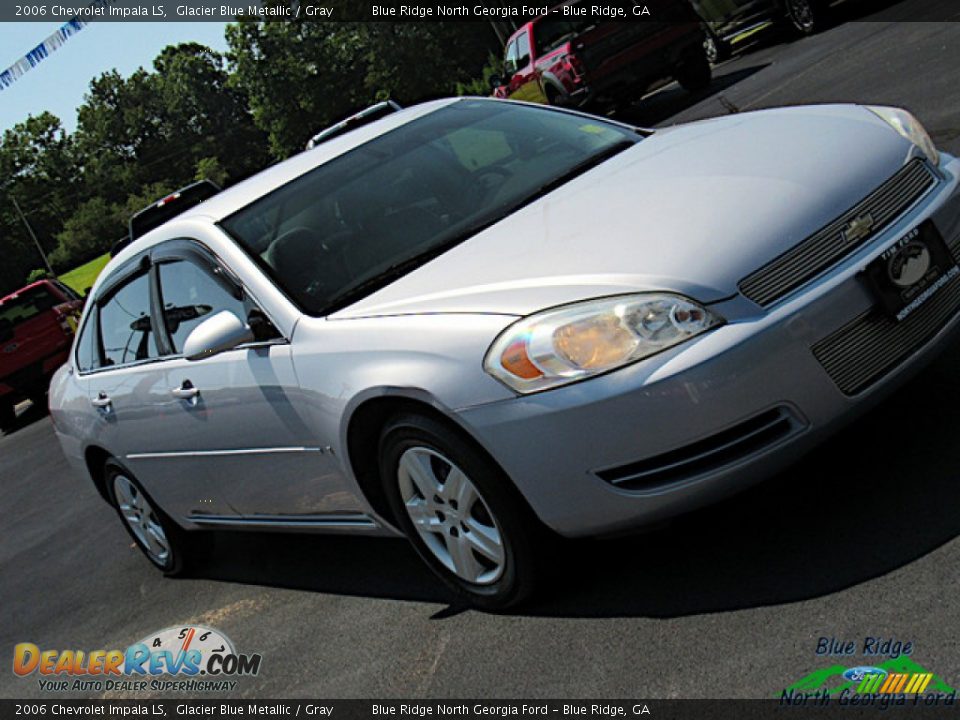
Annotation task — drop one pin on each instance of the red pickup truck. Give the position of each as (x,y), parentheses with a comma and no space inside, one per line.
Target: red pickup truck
(568,57)
(37,324)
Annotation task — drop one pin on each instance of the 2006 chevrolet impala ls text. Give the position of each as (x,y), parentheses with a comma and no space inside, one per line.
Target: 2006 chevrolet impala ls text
(476,321)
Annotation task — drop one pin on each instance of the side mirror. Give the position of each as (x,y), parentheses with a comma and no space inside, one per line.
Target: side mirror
(495,82)
(224,331)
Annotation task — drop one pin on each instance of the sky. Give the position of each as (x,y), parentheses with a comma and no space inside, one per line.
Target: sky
(59,82)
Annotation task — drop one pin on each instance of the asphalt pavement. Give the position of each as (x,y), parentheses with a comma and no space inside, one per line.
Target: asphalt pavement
(857,540)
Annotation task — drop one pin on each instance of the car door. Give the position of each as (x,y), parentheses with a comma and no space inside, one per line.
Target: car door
(524,82)
(127,387)
(240,415)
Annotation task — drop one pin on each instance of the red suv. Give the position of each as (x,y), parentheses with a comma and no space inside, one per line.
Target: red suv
(566,58)
(37,324)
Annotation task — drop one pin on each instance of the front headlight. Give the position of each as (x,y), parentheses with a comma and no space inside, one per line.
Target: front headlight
(577,341)
(910,128)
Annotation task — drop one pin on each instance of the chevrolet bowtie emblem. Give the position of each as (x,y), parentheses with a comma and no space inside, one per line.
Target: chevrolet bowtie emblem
(858,228)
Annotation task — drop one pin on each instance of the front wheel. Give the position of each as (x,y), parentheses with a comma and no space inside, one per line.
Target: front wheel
(460,512)
(8,416)
(160,540)
(695,73)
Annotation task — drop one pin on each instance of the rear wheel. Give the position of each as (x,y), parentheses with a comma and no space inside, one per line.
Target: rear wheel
(694,74)
(806,16)
(8,416)
(460,512)
(555,96)
(157,536)
(716,49)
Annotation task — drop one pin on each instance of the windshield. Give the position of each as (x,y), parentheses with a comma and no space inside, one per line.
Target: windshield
(26,305)
(362,219)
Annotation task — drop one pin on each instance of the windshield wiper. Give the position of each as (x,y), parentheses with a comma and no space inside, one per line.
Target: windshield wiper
(578,169)
(387,276)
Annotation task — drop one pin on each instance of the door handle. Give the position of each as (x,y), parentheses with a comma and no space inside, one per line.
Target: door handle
(101,401)
(186,391)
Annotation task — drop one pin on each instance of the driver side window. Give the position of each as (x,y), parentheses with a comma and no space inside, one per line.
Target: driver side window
(190,295)
(510,60)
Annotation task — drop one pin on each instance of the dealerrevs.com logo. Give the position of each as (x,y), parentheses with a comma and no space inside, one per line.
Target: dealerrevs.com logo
(186,659)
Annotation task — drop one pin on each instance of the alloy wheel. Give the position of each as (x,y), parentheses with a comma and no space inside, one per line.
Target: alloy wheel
(802,14)
(451,516)
(711,49)
(142,519)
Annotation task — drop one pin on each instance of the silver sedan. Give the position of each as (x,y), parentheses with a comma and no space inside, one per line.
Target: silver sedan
(483,324)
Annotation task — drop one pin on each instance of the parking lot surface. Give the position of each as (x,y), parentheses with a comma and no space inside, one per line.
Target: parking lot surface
(858,540)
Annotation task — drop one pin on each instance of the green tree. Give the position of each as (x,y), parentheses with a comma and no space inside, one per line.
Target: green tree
(302,77)
(92,230)
(38,168)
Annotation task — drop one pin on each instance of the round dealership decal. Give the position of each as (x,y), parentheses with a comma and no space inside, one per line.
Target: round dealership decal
(909,264)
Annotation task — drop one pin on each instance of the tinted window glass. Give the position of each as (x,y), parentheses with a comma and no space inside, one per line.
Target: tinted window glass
(523,51)
(125,329)
(510,59)
(68,291)
(357,222)
(88,356)
(190,296)
(26,305)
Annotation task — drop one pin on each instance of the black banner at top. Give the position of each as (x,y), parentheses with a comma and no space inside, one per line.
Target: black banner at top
(395,10)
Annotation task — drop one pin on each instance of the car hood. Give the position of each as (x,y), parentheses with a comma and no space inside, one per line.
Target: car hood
(691,209)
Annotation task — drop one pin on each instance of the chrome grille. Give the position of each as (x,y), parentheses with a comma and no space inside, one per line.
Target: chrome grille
(866,349)
(828,246)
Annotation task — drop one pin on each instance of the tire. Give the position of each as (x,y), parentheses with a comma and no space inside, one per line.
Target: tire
(555,97)
(716,49)
(8,417)
(806,16)
(122,488)
(695,73)
(419,457)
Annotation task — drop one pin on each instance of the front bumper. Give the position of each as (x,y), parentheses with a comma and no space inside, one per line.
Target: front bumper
(711,417)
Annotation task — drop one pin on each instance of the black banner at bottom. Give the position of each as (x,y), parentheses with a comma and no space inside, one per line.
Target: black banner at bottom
(889,706)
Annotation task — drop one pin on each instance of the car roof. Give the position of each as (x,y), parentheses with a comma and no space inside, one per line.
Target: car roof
(36,283)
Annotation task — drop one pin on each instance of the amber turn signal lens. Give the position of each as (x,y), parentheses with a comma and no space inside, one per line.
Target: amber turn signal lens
(515,360)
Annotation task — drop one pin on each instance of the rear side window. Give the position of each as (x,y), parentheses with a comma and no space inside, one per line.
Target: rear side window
(88,355)
(192,295)
(125,331)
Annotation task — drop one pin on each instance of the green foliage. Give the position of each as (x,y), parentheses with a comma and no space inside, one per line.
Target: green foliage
(82,278)
(209,168)
(303,77)
(199,114)
(481,85)
(90,230)
(37,274)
